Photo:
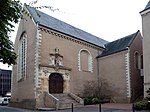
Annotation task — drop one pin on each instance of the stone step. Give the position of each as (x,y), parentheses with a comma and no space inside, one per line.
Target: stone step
(66,101)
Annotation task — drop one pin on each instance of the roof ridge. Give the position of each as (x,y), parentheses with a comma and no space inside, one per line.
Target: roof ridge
(147,6)
(134,35)
(123,37)
(63,27)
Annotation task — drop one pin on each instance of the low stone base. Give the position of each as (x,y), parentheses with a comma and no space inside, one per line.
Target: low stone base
(26,104)
(120,100)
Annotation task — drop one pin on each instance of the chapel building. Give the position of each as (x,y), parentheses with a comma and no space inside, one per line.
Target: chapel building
(58,63)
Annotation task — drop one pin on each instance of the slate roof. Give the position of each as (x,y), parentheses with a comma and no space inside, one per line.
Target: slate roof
(147,7)
(60,26)
(118,45)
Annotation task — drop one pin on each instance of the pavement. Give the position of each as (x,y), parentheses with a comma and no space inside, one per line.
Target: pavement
(107,107)
(122,106)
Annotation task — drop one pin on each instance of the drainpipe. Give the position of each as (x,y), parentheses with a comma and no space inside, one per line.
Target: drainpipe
(98,75)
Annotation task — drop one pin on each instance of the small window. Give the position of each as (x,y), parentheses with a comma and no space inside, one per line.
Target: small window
(137,61)
(141,61)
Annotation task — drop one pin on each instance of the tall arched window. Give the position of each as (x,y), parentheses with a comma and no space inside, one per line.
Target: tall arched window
(85,62)
(22,55)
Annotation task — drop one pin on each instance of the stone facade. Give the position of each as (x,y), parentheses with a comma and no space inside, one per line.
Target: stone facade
(53,53)
(41,43)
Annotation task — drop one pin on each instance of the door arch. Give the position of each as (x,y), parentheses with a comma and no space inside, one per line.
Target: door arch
(55,83)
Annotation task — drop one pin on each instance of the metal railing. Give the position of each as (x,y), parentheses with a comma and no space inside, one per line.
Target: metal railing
(100,108)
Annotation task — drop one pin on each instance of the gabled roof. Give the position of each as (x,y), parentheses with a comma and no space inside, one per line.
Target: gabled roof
(147,7)
(118,45)
(62,27)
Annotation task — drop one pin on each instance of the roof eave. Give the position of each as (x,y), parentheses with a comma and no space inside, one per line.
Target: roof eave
(145,11)
(133,38)
(68,35)
(100,56)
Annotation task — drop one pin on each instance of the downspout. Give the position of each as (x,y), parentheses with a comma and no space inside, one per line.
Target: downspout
(98,75)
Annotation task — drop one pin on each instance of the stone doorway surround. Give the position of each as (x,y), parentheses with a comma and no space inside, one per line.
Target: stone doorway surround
(46,71)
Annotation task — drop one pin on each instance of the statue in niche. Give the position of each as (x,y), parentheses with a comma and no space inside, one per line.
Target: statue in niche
(56,59)
(60,61)
(56,50)
(52,60)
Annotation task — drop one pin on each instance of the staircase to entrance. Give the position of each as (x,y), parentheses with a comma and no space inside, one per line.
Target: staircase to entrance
(60,101)
(67,99)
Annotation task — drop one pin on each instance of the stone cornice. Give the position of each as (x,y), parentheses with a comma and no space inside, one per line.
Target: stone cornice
(52,32)
(56,67)
(145,12)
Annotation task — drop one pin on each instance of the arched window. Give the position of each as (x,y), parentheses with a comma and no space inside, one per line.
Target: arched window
(85,62)
(141,61)
(137,60)
(22,55)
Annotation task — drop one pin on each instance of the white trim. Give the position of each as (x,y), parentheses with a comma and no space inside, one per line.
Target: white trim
(90,60)
(145,12)
(79,64)
(37,62)
(128,80)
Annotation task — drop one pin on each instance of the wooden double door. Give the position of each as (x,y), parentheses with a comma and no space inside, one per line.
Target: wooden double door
(55,83)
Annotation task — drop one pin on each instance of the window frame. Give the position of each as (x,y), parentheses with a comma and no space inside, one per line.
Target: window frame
(22,56)
(89,61)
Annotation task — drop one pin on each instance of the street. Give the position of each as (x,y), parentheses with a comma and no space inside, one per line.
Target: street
(79,109)
(10,109)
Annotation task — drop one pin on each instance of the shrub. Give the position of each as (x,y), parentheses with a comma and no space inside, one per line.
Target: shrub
(148,94)
(95,100)
(95,88)
(141,105)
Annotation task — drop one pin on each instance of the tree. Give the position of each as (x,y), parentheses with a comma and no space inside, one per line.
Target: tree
(10,12)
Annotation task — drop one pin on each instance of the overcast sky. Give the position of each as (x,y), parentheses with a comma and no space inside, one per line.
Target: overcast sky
(107,19)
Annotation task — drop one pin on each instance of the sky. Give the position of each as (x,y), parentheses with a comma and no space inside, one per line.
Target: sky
(107,19)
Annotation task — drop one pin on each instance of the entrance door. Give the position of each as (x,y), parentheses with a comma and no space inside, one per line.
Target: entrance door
(55,83)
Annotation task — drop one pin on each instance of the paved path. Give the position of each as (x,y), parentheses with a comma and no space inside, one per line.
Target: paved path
(110,107)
